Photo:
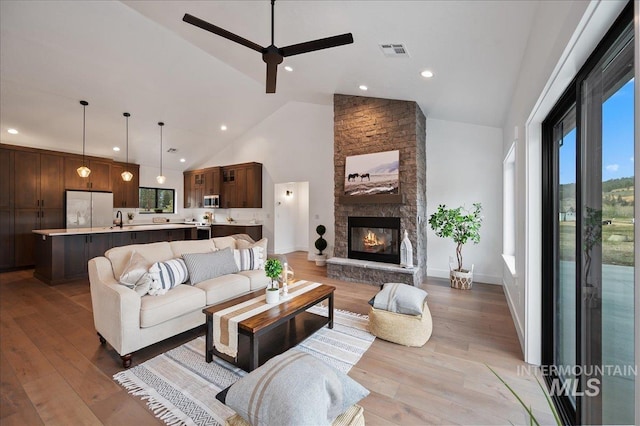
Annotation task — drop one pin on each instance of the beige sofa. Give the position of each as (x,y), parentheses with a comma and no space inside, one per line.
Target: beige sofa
(130,322)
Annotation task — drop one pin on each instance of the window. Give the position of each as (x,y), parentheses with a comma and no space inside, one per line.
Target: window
(156,200)
(509,209)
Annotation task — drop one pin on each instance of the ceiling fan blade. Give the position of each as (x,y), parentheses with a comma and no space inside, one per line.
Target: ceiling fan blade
(322,43)
(272,73)
(190,19)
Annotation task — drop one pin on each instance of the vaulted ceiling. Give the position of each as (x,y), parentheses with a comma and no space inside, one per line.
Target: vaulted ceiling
(139,57)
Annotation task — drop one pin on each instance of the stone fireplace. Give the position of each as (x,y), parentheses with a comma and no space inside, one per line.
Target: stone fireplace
(365,125)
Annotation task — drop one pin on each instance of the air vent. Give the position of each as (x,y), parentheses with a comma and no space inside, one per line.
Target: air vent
(394,50)
(172,150)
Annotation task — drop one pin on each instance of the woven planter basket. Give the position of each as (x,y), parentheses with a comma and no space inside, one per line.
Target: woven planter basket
(461,280)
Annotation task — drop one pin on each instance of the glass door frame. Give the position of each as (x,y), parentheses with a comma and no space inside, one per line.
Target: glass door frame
(550,184)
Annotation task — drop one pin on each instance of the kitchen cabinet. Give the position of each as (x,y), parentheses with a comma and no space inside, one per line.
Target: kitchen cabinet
(212,182)
(6,209)
(125,194)
(79,249)
(130,237)
(62,258)
(254,231)
(25,221)
(194,189)
(38,200)
(239,185)
(242,186)
(98,180)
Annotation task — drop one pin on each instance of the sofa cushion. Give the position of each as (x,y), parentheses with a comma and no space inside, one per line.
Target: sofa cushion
(224,287)
(136,275)
(249,259)
(203,266)
(224,242)
(181,300)
(167,275)
(257,278)
(154,252)
(294,388)
(191,246)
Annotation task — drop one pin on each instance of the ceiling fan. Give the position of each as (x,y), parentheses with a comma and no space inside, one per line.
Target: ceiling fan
(271,54)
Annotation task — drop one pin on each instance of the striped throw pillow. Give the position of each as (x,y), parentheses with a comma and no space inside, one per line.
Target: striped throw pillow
(166,275)
(249,259)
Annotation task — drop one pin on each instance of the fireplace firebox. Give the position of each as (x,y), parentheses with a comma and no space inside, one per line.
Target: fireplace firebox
(374,238)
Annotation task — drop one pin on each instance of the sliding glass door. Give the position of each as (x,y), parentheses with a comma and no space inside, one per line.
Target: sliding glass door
(588,265)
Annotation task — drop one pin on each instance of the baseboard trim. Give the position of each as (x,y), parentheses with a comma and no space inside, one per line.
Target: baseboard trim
(480,278)
(514,317)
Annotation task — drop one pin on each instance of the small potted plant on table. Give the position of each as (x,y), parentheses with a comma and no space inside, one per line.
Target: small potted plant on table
(130,216)
(273,269)
(461,226)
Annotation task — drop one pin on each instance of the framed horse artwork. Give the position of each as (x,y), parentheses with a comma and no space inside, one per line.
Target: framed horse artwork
(370,174)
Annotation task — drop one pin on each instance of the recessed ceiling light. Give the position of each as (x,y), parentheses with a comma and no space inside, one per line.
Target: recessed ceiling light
(116,148)
(288,68)
(426,74)
(182,160)
(363,87)
(12,131)
(223,127)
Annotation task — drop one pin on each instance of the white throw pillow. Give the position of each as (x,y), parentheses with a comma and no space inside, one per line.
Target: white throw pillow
(166,275)
(135,275)
(249,259)
(242,244)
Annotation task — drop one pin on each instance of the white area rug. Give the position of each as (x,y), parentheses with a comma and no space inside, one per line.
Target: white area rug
(180,386)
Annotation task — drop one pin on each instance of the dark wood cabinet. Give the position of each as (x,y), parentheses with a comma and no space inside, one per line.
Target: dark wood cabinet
(25,221)
(98,180)
(62,258)
(242,186)
(125,194)
(254,231)
(7,240)
(6,209)
(38,200)
(79,249)
(194,188)
(239,186)
(212,182)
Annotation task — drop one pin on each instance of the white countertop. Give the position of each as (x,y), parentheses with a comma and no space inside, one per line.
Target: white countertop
(103,230)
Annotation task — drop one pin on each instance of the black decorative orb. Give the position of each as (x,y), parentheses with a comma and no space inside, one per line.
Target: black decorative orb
(320,229)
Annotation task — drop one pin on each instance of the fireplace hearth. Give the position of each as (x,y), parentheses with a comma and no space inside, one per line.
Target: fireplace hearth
(374,238)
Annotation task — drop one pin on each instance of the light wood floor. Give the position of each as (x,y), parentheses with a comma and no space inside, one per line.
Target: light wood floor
(54,371)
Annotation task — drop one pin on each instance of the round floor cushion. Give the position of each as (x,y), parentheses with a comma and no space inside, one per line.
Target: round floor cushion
(407,330)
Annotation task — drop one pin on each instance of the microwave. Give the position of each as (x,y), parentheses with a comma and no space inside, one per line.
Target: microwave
(211,201)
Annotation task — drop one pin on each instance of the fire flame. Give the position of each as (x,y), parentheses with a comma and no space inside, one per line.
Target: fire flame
(372,240)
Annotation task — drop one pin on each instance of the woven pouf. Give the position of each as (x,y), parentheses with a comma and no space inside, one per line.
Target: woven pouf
(408,330)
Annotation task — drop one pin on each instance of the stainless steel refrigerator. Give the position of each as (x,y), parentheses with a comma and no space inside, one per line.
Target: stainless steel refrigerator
(86,209)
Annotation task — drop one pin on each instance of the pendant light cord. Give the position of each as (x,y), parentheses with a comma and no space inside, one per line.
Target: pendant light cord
(273,2)
(84,116)
(161,124)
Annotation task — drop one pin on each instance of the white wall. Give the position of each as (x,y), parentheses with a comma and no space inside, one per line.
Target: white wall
(291,217)
(562,37)
(464,166)
(294,144)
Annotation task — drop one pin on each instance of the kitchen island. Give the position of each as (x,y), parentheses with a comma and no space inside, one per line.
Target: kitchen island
(61,255)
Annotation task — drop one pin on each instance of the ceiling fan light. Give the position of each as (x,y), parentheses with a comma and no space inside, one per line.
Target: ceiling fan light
(83,171)
(161,179)
(126,176)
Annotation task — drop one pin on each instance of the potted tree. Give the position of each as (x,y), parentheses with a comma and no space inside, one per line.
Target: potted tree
(321,244)
(273,269)
(461,226)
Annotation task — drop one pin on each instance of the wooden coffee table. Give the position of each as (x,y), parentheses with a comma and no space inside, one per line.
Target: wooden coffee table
(272,332)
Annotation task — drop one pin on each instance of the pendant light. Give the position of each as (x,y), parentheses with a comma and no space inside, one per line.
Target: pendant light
(161,178)
(83,171)
(127,175)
